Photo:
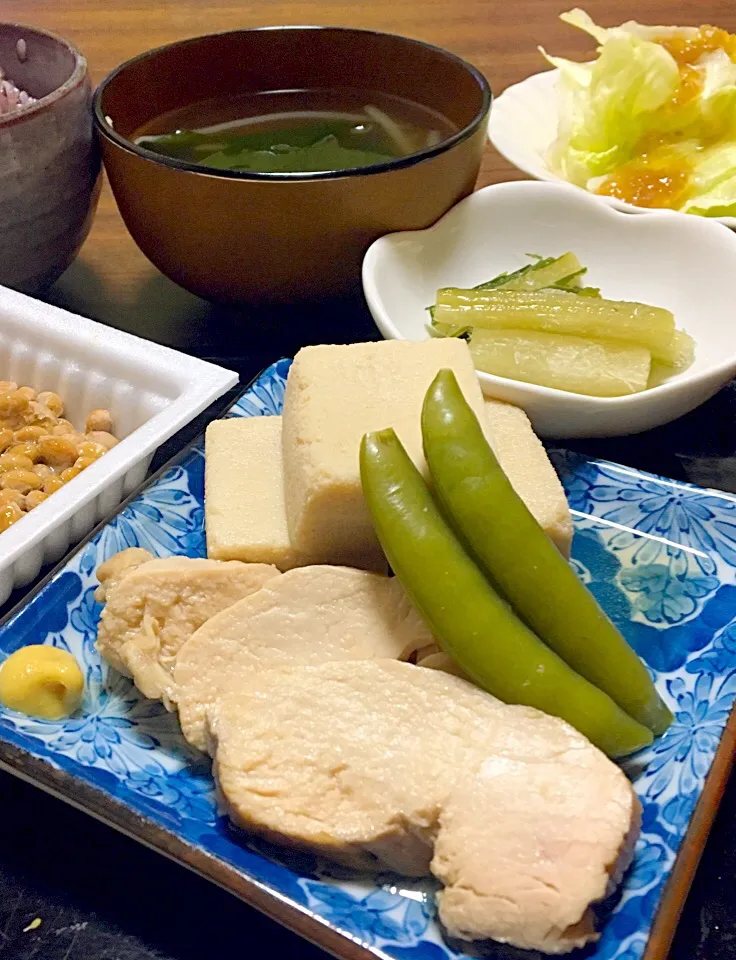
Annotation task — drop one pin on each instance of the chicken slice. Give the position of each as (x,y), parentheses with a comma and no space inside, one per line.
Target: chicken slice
(152,609)
(437,660)
(117,566)
(564,823)
(348,759)
(307,615)
(376,763)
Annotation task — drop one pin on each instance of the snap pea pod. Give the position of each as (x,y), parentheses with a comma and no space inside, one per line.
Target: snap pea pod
(520,559)
(470,621)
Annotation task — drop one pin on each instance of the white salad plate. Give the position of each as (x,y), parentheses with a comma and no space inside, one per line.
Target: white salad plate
(523,126)
(150,390)
(686,264)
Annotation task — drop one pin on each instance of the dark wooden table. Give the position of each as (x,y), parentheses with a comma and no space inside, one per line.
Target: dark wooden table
(99,895)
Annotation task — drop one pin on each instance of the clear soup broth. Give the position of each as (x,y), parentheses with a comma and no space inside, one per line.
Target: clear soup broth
(296,131)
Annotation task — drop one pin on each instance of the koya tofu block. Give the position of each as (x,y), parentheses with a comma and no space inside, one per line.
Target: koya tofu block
(245,505)
(334,395)
(525,462)
(245,514)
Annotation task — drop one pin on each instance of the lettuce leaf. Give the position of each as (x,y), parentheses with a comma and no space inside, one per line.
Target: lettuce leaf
(717,101)
(607,106)
(633,94)
(714,182)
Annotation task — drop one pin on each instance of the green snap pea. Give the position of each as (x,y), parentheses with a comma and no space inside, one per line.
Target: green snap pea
(469,619)
(520,559)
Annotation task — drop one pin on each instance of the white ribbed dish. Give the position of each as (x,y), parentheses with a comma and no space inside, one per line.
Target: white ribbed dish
(523,126)
(151,391)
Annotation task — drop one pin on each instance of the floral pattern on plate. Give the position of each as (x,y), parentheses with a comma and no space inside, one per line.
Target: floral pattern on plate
(660,557)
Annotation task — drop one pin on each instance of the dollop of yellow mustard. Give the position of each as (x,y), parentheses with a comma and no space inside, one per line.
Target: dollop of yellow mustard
(42,682)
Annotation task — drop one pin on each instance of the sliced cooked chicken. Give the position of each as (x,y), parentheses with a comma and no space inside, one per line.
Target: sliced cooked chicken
(307,615)
(117,566)
(372,763)
(437,660)
(530,839)
(350,759)
(153,608)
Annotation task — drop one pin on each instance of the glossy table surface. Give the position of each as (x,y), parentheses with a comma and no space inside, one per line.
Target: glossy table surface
(100,895)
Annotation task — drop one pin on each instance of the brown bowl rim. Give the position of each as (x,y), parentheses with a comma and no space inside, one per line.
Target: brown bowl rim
(77,76)
(107,131)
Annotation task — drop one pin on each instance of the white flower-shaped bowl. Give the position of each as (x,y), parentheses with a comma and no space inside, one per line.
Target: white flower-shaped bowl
(523,126)
(686,264)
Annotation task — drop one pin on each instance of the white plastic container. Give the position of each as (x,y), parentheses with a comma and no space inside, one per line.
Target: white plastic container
(150,390)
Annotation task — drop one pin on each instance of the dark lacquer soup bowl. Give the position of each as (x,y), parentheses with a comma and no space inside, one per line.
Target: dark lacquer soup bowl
(253,237)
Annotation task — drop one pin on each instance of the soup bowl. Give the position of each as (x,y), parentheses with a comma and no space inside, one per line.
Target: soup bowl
(49,176)
(245,237)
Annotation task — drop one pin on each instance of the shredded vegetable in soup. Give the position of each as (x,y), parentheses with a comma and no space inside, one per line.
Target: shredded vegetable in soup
(296,131)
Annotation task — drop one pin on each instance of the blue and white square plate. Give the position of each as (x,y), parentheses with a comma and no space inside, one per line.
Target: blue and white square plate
(660,557)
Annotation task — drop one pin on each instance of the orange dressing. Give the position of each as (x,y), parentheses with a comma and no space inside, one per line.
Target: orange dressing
(690,86)
(648,182)
(656,178)
(688,50)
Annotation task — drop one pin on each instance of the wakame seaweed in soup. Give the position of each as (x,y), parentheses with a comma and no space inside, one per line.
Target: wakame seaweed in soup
(296,131)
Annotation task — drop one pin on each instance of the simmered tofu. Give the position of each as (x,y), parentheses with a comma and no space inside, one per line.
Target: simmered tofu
(245,511)
(335,394)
